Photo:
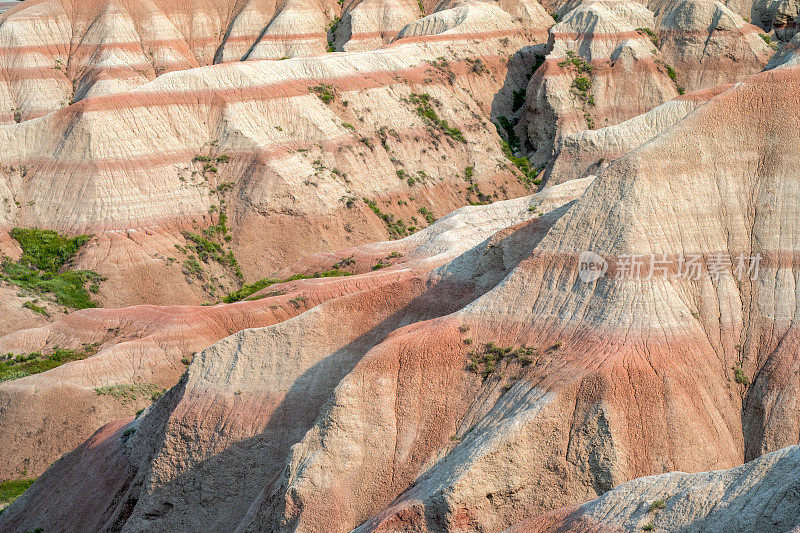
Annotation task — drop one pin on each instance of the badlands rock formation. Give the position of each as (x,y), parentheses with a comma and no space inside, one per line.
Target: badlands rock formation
(590,151)
(758,496)
(139,163)
(465,377)
(611,61)
(48,414)
(498,386)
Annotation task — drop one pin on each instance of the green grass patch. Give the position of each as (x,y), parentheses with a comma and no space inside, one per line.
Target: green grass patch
(657,505)
(42,268)
(252,288)
(12,489)
(19,366)
(38,309)
(45,249)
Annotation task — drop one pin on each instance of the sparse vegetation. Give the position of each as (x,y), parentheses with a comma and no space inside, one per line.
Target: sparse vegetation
(486,361)
(523,164)
(582,84)
(325,92)
(656,505)
(332,34)
(131,392)
(31,304)
(576,63)
(425,212)
(43,267)
(298,301)
(397,227)
(651,34)
(425,109)
(673,76)
(19,366)
(518,99)
(385,262)
(647,527)
(740,377)
(478,67)
(503,125)
(767,39)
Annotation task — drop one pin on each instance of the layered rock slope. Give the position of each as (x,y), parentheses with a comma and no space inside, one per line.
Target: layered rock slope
(503,386)
(758,496)
(295,149)
(46,415)
(611,61)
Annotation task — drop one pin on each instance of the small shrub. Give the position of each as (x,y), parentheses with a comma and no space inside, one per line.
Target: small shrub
(582,84)
(332,34)
(740,376)
(647,527)
(186,361)
(298,301)
(425,212)
(518,99)
(651,34)
(324,92)
(656,506)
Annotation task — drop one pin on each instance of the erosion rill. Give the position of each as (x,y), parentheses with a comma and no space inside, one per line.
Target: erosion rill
(399,265)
